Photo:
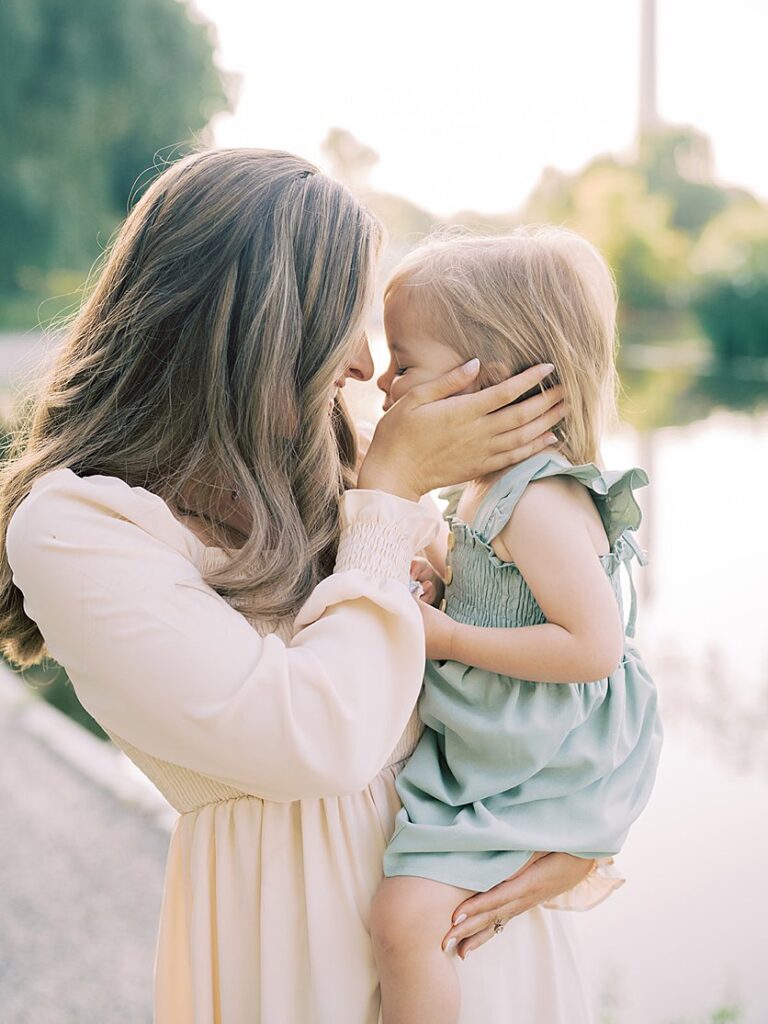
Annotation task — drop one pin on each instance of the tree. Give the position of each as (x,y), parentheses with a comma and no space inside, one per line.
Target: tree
(609,203)
(731,301)
(92,91)
(677,163)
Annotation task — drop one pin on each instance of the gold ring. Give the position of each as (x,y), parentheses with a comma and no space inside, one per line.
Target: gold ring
(498,926)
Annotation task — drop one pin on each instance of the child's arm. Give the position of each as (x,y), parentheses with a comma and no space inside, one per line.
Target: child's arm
(548,539)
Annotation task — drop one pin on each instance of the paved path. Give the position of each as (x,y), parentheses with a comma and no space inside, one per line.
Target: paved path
(80,885)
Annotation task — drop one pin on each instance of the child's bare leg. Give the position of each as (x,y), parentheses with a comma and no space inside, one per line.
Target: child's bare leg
(410,917)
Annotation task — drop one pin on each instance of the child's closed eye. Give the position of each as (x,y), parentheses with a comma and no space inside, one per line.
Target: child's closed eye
(400,370)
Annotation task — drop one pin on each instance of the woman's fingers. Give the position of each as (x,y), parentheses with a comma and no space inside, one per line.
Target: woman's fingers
(465,948)
(489,903)
(516,438)
(446,385)
(499,395)
(466,932)
(525,889)
(479,918)
(533,410)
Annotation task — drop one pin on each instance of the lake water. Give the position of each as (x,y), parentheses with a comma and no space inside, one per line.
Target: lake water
(685,941)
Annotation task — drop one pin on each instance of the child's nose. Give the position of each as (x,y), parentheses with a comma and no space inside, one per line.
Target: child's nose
(383,384)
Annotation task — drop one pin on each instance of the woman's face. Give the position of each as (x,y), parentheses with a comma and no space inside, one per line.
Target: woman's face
(414,356)
(361,367)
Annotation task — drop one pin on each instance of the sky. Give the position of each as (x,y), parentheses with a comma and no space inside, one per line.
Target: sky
(467,102)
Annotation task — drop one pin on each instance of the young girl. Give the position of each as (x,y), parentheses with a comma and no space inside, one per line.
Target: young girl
(541,719)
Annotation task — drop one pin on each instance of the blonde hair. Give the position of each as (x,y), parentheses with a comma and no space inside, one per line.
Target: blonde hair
(204,360)
(541,294)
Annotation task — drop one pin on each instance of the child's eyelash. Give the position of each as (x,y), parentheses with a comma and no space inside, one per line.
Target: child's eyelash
(400,370)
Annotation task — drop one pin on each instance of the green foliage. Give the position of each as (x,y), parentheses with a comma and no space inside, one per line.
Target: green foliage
(677,163)
(91,92)
(673,236)
(734,316)
(732,298)
(609,203)
(50,681)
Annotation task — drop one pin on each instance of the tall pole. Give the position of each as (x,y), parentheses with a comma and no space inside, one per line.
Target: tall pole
(648,119)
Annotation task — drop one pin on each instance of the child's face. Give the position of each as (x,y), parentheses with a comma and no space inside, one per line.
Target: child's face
(414,356)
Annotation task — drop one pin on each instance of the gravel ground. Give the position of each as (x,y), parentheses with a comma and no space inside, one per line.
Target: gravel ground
(80,887)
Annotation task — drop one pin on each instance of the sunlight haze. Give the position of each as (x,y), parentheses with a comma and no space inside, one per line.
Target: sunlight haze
(466,104)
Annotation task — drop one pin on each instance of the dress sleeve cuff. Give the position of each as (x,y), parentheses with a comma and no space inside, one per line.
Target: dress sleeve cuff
(603,879)
(381,533)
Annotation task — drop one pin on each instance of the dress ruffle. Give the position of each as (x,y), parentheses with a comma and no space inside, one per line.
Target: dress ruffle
(604,879)
(613,489)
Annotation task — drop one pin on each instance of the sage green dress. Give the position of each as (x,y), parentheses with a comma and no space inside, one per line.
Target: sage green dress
(507,767)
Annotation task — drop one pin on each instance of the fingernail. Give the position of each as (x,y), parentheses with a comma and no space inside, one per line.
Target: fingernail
(473,365)
(550,438)
(548,368)
(449,944)
(460,918)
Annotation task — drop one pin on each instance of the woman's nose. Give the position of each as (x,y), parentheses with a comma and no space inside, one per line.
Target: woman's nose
(361,367)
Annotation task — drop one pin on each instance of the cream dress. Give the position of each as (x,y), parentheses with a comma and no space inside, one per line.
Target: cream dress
(279,750)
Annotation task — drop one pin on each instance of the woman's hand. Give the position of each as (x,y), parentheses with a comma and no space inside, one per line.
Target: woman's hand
(548,876)
(433,436)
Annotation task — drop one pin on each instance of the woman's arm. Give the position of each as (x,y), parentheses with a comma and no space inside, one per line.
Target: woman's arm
(547,538)
(164,662)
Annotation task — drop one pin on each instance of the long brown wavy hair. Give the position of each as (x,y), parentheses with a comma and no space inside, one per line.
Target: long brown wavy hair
(203,361)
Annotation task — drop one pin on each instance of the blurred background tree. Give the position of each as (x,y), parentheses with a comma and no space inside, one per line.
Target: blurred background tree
(92,91)
(731,300)
(690,257)
(609,202)
(95,94)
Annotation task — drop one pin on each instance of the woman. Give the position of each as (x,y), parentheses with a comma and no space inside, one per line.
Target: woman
(183,533)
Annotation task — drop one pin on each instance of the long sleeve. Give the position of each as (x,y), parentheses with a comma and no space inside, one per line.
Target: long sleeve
(162,660)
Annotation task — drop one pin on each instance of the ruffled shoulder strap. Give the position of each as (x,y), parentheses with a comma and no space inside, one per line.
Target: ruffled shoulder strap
(452,495)
(613,491)
(497,506)
(614,494)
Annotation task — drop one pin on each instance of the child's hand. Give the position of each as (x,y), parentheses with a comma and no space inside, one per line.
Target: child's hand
(439,632)
(431,582)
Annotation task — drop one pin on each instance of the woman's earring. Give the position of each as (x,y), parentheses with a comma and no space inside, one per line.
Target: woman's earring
(235,494)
